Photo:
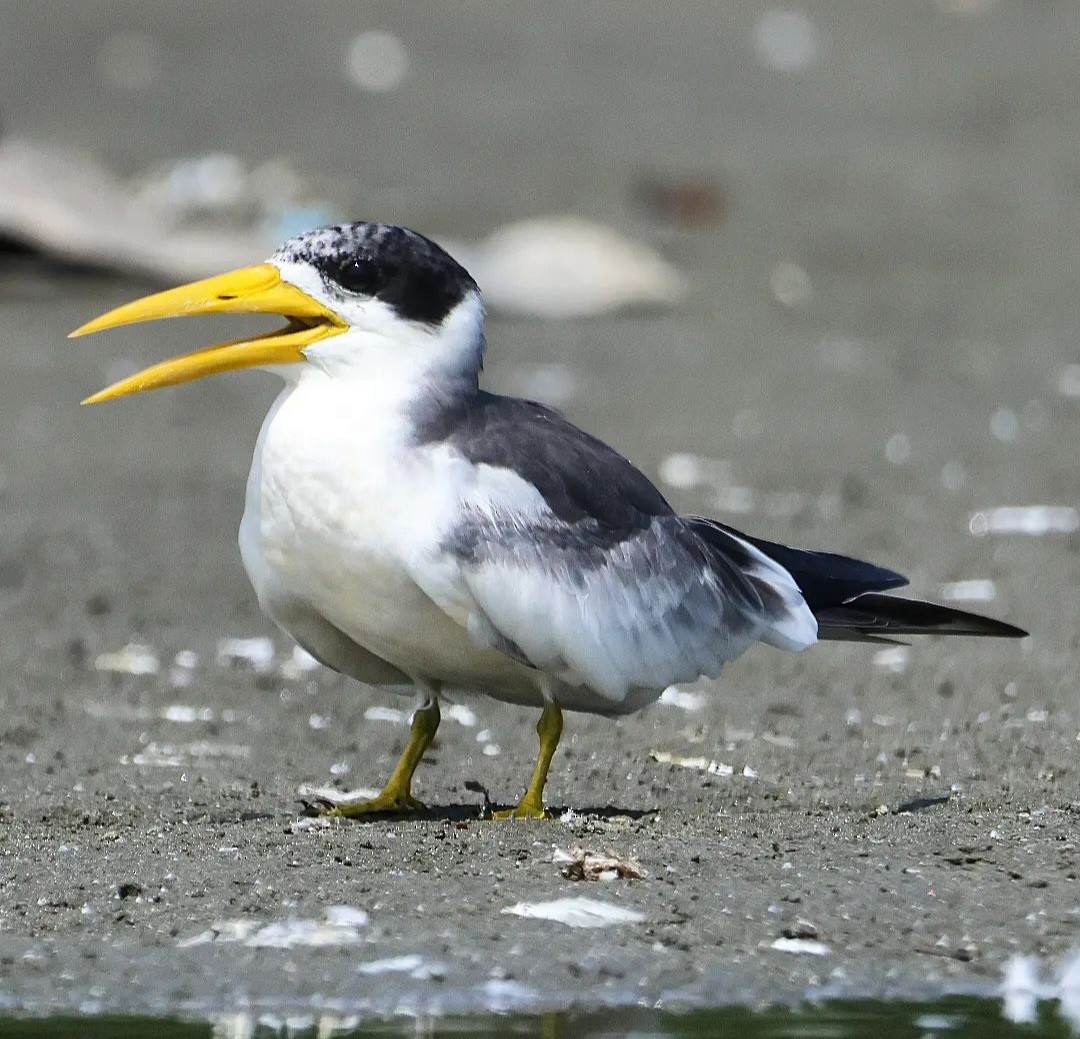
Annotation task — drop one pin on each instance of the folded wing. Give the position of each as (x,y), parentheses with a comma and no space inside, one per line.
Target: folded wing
(565,557)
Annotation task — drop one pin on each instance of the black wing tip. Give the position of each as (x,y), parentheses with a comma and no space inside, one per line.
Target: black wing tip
(963,622)
(888,579)
(890,615)
(1004,630)
(824,578)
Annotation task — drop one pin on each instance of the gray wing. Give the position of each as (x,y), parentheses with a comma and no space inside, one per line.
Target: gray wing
(585,572)
(652,609)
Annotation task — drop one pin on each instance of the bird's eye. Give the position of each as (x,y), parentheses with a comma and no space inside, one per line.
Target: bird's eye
(361,276)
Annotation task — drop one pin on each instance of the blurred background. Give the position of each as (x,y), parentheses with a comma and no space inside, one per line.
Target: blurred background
(835,250)
(812,266)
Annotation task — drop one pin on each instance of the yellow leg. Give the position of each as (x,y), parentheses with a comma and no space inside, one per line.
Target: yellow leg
(397,796)
(549,729)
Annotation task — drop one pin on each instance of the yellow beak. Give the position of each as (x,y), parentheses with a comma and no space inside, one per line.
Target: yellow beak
(258,290)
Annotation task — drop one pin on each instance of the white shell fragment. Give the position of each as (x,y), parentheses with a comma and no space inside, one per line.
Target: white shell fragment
(346,916)
(673,696)
(976,590)
(715,768)
(563,267)
(185,714)
(133,659)
(805,946)
(461,714)
(577,912)
(894,659)
(412,964)
(256,653)
(379,713)
(1033,520)
(586,864)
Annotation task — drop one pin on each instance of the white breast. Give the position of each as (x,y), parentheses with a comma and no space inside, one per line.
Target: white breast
(340,505)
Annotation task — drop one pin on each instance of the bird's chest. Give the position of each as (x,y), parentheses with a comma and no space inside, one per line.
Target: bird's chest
(339,508)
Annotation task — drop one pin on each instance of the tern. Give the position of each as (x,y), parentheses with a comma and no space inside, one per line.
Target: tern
(411,530)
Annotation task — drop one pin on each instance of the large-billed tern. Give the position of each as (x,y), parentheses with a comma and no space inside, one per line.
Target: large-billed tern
(411,530)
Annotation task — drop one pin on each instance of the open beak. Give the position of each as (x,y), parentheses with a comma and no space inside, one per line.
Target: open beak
(257,290)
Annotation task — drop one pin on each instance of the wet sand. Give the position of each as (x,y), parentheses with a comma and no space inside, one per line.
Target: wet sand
(917,816)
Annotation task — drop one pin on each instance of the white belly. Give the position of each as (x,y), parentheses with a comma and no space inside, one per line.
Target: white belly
(338,507)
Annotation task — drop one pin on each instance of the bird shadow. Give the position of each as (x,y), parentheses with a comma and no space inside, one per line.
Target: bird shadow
(465,813)
(564,814)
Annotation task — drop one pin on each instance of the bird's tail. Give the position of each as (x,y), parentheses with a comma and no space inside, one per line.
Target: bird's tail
(845,595)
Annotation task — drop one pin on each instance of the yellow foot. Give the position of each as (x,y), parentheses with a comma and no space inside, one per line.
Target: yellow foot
(525,810)
(549,728)
(384,803)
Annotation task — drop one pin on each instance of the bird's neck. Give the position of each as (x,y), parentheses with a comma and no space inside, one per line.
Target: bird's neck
(394,397)
(399,375)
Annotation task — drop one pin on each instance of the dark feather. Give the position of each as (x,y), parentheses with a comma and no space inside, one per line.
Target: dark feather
(602,496)
(825,579)
(888,615)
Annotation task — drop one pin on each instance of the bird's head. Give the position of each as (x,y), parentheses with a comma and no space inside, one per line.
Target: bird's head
(358,297)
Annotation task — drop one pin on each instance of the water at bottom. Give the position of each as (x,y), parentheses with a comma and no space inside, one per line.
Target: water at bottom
(956,1017)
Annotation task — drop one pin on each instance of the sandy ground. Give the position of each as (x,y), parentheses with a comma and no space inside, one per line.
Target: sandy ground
(917,819)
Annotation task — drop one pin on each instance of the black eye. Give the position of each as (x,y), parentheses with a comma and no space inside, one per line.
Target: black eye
(362,276)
